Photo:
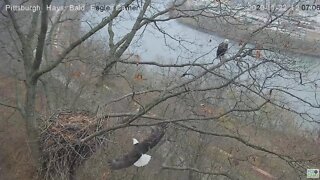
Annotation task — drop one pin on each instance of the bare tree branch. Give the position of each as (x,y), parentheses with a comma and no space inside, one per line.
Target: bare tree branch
(225,174)
(15,24)
(42,35)
(73,45)
(10,106)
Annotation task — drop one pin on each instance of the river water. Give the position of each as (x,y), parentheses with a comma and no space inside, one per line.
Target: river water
(178,43)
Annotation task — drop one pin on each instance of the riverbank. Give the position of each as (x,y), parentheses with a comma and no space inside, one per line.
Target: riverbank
(267,38)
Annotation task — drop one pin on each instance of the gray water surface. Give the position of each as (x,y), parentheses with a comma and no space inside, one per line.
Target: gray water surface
(178,43)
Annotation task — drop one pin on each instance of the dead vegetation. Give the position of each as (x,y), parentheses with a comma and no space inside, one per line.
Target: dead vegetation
(62,151)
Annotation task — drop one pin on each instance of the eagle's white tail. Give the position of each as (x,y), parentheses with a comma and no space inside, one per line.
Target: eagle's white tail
(143,160)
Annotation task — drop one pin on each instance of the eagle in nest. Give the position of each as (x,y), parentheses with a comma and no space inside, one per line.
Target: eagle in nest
(137,156)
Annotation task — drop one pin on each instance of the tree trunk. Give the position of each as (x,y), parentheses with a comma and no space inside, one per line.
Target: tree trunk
(112,60)
(109,66)
(31,123)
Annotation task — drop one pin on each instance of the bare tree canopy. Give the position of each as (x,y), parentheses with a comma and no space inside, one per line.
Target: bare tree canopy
(80,79)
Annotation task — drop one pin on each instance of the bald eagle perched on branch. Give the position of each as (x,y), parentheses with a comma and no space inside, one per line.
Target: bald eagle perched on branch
(137,156)
(222,48)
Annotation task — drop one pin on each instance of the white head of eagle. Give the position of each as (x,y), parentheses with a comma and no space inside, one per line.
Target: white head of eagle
(222,48)
(135,141)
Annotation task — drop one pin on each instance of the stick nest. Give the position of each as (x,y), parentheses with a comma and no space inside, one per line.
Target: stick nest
(62,151)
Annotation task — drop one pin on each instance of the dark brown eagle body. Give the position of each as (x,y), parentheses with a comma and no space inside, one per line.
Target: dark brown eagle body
(222,48)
